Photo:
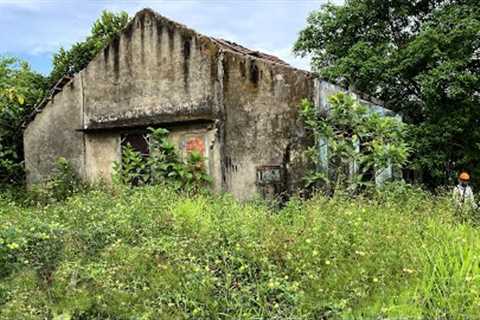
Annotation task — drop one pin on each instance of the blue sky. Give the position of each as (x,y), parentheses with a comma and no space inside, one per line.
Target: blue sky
(35,29)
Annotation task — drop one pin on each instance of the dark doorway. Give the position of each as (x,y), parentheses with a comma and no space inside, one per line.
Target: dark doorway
(138,141)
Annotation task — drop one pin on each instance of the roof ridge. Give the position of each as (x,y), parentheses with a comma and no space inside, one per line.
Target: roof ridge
(221,43)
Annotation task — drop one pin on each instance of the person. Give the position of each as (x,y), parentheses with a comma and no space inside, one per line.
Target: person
(463,193)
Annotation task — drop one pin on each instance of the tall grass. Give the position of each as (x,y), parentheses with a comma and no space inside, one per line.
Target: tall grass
(152,253)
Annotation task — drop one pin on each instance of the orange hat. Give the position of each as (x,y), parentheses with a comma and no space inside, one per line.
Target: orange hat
(464,176)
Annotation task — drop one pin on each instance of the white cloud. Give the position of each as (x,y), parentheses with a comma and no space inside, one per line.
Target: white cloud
(41,27)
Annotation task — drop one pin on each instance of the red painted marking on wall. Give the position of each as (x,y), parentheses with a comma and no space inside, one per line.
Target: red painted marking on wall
(195,144)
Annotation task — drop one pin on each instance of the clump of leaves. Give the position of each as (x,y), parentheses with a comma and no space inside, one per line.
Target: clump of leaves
(10,164)
(352,143)
(163,164)
(20,89)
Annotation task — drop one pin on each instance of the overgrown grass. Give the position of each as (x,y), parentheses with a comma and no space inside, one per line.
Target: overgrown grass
(152,253)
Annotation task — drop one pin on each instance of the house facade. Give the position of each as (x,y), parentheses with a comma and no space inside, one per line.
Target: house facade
(238,107)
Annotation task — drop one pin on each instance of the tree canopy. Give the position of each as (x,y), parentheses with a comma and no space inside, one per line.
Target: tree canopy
(422,57)
(20,89)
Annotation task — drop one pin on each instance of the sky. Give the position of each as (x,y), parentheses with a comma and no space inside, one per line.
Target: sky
(35,29)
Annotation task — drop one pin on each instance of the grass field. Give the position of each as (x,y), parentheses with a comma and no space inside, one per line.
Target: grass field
(153,253)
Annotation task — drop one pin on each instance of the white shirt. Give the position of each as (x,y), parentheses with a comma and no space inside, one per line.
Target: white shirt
(464,194)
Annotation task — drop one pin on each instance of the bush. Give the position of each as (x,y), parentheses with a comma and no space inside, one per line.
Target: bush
(352,143)
(163,164)
(20,89)
(155,253)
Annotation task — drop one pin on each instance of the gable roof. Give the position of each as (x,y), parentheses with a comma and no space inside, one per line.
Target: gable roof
(221,43)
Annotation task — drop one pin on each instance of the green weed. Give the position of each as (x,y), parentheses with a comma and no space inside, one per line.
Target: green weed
(155,253)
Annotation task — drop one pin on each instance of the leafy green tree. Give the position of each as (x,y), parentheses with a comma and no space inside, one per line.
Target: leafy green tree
(20,89)
(353,144)
(422,57)
(81,53)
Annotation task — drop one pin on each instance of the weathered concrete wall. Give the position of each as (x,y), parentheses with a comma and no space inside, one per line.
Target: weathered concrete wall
(160,73)
(53,134)
(209,145)
(262,126)
(102,150)
(155,72)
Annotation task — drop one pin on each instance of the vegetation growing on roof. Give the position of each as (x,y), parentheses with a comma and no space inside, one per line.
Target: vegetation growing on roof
(71,61)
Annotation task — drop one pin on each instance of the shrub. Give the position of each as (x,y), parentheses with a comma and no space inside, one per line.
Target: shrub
(63,184)
(351,144)
(163,164)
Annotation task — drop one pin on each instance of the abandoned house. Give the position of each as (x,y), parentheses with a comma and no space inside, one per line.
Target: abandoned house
(238,107)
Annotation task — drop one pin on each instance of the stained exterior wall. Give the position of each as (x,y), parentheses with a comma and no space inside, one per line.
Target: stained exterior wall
(261,125)
(53,135)
(102,151)
(206,138)
(159,73)
(155,72)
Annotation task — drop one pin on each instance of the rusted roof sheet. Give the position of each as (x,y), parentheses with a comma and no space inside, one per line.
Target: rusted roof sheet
(241,49)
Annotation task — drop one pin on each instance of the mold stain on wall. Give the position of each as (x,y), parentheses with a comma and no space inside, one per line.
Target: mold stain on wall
(160,72)
(116,57)
(186,52)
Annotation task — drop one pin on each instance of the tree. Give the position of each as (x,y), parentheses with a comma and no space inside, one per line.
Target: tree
(69,62)
(353,144)
(422,57)
(20,89)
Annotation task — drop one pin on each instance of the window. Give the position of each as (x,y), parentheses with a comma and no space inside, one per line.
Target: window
(138,141)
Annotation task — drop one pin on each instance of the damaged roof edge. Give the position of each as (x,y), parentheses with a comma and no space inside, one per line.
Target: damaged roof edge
(57,87)
(221,43)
